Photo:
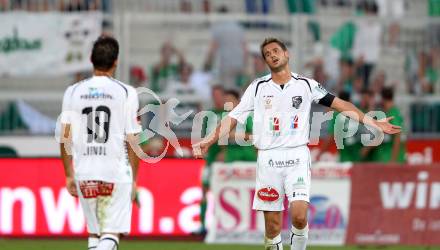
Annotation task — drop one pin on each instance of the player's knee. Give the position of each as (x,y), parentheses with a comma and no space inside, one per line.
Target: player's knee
(273,228)
(299,220)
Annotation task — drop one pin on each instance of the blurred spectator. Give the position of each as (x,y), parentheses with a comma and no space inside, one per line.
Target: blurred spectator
(183,85)
(424,73)
(166,70)
(356,90)
(341,43)
(137,77)
(393,148)
(322,77)
(377,85)
(200,81)
(347,75)
(228,49)
(395,10)
(366,48)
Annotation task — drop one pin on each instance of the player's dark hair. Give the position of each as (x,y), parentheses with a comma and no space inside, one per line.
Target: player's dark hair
(104,53)
(387,94)
(271,40)
(232,92)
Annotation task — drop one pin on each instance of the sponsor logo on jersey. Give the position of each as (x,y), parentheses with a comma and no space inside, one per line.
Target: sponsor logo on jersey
(283,164)
(96,93)
(274,125)
(294,122)
(269,194)
(300,180)
(296,101)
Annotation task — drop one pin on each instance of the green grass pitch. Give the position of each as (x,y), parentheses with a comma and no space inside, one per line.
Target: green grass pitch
(65,244)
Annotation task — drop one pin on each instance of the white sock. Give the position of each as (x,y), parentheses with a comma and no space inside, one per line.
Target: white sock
(273,244)
(108,242)
(298,238)
(93,243)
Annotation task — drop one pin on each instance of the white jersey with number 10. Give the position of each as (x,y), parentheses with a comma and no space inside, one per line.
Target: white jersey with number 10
(101,111)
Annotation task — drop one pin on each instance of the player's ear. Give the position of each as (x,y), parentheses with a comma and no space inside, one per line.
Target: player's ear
(115,63)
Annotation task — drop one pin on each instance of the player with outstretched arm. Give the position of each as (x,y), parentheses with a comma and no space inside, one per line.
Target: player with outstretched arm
(99,118)
(281,103)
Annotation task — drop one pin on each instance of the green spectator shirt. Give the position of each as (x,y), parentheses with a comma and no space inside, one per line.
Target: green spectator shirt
(382,153)
(215,149)
(160,79)
(352,145)
(235,152)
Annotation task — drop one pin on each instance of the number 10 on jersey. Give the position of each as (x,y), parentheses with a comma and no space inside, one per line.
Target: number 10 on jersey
(98,123)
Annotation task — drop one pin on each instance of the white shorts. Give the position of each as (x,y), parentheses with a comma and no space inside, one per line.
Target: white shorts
(107,206)
(280,173)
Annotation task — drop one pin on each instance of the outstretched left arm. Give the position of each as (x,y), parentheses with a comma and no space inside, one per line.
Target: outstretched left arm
(348,109)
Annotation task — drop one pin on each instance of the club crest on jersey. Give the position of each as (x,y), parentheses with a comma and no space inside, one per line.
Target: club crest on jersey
(296,101)
(268,101)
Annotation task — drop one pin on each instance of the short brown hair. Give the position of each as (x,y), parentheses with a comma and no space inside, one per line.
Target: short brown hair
(271,40)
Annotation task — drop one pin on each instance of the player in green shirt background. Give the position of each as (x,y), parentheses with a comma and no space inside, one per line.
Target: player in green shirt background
(214,152)
(233,151)
(351,150)
(393,147)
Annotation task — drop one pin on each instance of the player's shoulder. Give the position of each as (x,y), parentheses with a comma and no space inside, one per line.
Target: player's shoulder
(310,82)
(127,89)
(263,79)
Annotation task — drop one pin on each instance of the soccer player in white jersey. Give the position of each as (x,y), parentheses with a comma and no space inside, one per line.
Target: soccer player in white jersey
(99,118)
(281,103)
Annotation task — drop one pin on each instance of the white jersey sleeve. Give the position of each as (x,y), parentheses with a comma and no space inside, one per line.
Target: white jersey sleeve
(67,110)
(318,92)
(132,125)
(246,105)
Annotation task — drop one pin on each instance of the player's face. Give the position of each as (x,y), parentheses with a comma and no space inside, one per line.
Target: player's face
(275,57)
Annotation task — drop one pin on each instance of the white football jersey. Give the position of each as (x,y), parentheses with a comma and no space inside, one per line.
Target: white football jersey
(101,111)
(281,115)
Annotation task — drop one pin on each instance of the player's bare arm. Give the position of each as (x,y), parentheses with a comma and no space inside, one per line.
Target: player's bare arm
(223,129)
(351,111)
(134,161)
(65,146)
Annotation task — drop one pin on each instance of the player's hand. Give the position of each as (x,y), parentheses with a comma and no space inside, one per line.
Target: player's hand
(387,127)
(71,186)
(200,149)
